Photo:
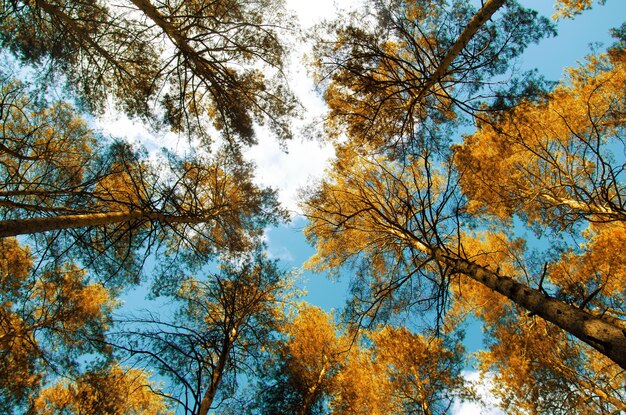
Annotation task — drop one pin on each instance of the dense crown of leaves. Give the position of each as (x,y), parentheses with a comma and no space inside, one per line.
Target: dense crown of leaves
(320,370)
(394,83)
(110,204)
(46,322)
(191,63)
(221,325)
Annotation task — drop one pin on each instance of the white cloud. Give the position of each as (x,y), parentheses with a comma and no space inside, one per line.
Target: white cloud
(118,125)
(311,12)
(288,171)
(488,406)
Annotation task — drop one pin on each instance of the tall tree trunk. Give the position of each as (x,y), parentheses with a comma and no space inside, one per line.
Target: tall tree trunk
(216,378)
(475,23)
(201,67)
(13,227)
(607,338)
(308,399)
(603,335)
(34,225)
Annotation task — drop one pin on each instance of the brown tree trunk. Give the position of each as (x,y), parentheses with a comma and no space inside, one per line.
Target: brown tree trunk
(13,227)
(607,338)
(308,399)
(218,373)
(201,66)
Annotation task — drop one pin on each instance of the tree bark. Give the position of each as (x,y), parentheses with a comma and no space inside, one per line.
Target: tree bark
(14,227)
(216,378)
(34,225)
(200,66)
(607,338)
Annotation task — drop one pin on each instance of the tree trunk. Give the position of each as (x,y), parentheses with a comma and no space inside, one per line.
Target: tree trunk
(475,23)
(201,67)
(15,227)
(308,399)
(600,334)
(216,378)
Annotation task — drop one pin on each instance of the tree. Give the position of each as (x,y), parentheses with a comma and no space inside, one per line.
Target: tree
(400,227)
(557,161)
(301,376)
(558,164)
(402,372)
(64,183)
(419,67)
(222,325)
(111,390)
(200,59)
(318,369)
(413,218)
(571,8)
(537,367)
(47,321)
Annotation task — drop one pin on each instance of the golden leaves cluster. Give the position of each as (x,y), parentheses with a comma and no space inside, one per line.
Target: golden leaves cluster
(551,160)
(40,316)
(112,390)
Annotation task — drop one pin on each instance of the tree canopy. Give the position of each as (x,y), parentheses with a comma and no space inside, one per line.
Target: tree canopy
(462,191)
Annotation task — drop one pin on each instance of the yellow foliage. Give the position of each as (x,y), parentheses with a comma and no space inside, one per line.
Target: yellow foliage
(362,387)
(80,304)
(400,372)
(15,265)
(314,348)
(548,159)
(121,189)
(41,316)
(43,145)
(369,207)
(539,370)
(114,390)
(18,372)
(602,262)
(571,8)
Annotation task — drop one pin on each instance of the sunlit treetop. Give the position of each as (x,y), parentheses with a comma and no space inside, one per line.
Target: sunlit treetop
(417,66)
(558,160)
(112,389)
(572,8)
(50,318)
